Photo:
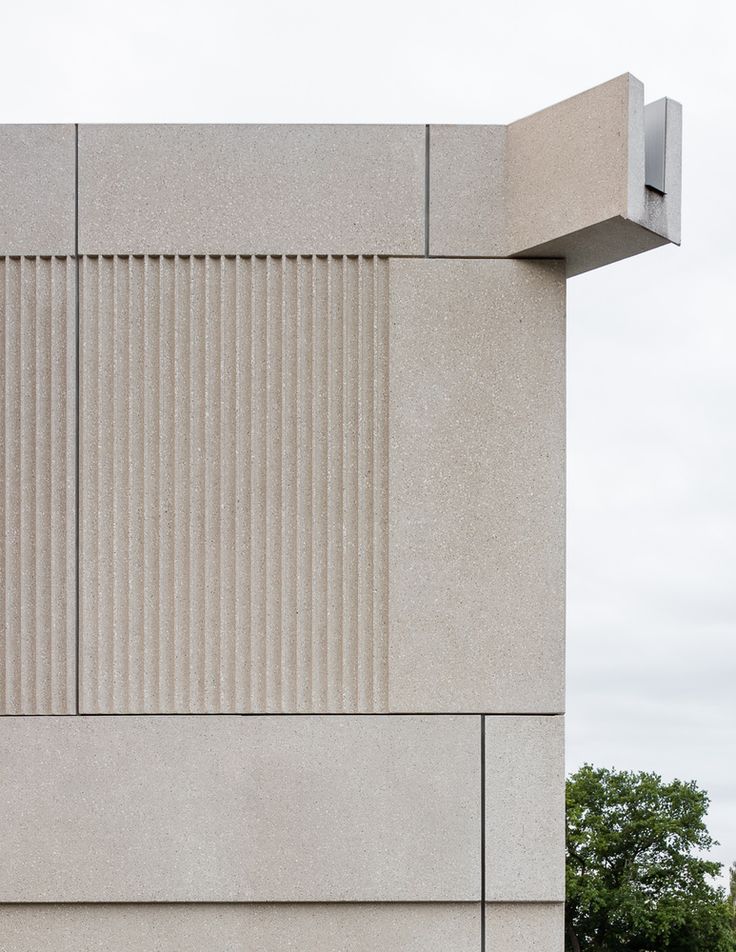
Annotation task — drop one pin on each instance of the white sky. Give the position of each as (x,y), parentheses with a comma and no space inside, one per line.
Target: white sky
(652,340)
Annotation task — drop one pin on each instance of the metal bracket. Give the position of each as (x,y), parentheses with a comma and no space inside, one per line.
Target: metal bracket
(655,143)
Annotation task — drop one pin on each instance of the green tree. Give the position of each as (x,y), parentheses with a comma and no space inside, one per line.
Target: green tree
(637,879)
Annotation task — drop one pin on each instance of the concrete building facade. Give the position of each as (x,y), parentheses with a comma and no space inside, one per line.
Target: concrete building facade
(282,523)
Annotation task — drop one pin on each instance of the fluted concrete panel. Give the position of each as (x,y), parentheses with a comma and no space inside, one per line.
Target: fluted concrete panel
(226,927)
(234,484)
(37,169)
(525,809)
(525,927)
(37,486)
(477,423)
(240,809)
(251,189)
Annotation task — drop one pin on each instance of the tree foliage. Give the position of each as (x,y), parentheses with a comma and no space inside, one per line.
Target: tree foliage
(637,876)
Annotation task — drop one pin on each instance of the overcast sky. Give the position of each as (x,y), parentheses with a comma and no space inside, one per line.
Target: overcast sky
(652,340)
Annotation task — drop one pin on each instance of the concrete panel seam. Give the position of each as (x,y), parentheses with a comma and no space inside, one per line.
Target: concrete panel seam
(76,410)
(427,132)
(483,832)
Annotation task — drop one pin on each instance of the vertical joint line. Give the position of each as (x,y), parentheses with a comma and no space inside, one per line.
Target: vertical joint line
(482,833)
(76,411)
(426,191)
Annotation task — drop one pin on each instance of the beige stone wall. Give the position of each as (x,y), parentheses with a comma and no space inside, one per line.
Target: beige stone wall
(243,401)
(282,526)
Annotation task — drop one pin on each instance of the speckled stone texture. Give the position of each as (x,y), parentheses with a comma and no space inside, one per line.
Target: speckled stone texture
(37,189)
(467,190)
(525,809)
(229,809)
(234,484)
(569,165)
(38,504)
(240,547)
(476,486)
(575,186)
(525,927)
(225,927)
(269,189)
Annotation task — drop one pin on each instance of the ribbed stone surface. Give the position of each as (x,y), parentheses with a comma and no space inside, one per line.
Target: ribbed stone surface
(37,486)
(234,484)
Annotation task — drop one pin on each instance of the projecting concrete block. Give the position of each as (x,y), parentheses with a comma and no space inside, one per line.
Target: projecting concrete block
(576,180)
(525,927)
(37,486)
(525,809)
(234,485)
(251,189)
(567,182)
(476,486)
(37,168)
(232,809)
(253,927)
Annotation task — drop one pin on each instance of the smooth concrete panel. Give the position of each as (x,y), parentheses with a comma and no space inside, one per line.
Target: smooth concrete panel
(37,168)
(476,486)
(253,189)
(37,486)
(234,487)
(315,927)
(239,809)
(525,809)
(525,927)
(467,191)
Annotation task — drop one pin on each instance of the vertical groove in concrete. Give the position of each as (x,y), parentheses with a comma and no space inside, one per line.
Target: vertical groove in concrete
(234,486)
(37,503)
(380,469)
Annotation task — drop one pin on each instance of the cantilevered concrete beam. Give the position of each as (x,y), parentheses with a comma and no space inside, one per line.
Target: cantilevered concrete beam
(567,182)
